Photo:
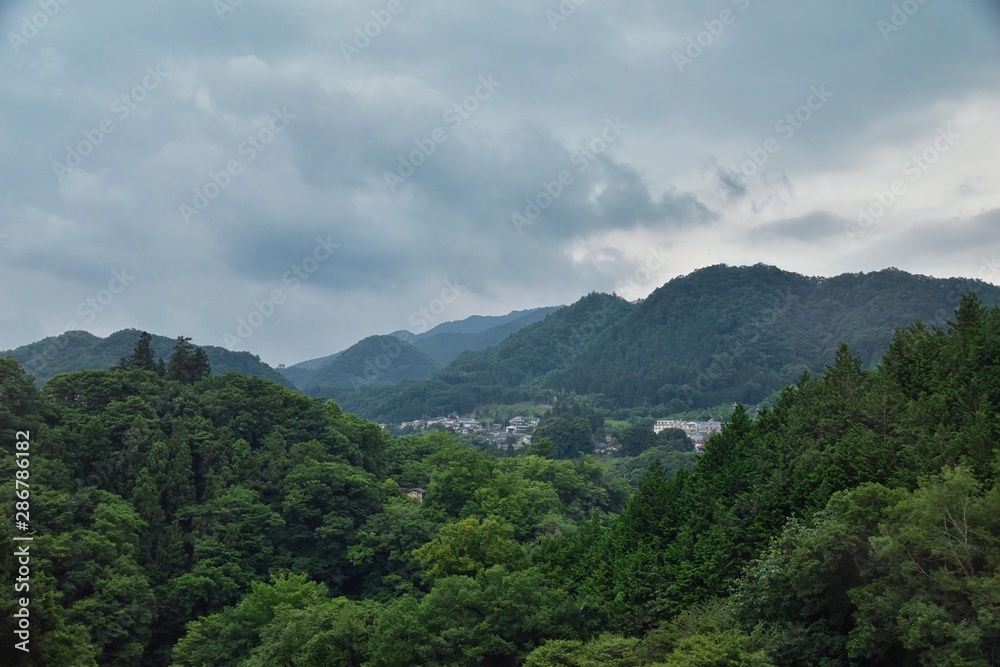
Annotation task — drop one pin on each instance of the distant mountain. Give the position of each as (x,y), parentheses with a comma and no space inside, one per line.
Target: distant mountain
(313,364)
(442,343)
(499,374)
(80,350)
(374,361)
(719,335)
(481,323)
(446,341)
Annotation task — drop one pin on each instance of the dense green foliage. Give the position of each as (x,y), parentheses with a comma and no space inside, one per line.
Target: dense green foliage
(725,334)
(240,521)
(228,521)
(79,350)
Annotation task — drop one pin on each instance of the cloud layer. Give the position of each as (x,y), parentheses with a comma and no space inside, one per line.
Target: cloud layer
(318,172)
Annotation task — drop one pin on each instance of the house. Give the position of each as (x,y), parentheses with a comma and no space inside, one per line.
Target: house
(415,492)
(711,426)
(664,424)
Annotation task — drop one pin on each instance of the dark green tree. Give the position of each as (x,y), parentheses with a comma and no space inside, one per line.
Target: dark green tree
(187,364)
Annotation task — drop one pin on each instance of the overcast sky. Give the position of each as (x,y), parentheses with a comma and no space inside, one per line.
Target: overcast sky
(287,178)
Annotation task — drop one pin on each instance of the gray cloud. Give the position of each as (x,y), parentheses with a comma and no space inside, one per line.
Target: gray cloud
(218,84)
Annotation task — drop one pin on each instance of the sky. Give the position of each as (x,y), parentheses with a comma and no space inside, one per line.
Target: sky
(288,178)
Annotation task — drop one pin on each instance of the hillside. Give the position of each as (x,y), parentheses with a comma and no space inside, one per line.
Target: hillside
(374,361)
(724,334)
(80,350)
(719,335)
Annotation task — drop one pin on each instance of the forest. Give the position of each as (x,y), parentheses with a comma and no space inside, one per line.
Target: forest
(189,519)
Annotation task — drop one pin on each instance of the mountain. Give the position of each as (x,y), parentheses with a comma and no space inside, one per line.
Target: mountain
(442,343)
(724,334)
(313,364)
(374,361)
(80,350)
(446,341)
(719,335)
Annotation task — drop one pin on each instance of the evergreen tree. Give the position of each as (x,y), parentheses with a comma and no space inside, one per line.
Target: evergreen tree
(179,365)
(188,363)
(142,355)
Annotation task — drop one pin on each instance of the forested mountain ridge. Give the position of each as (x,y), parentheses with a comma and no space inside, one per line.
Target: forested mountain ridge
(80,350)
(724,334)
(228,521)
(719,335)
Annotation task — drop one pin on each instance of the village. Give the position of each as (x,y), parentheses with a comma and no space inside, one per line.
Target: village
(516,433)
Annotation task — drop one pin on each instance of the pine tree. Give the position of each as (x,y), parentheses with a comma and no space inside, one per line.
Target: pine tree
(180,360)
(200,366)
(188,363)
(142,354)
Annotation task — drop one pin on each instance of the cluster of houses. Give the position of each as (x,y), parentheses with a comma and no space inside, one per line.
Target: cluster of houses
(697,431)
(452,423)
(516,433)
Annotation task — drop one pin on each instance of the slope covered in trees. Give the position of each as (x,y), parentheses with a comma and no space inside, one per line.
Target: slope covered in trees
(853,523)
(157,502)
(725,334)
(79,350)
